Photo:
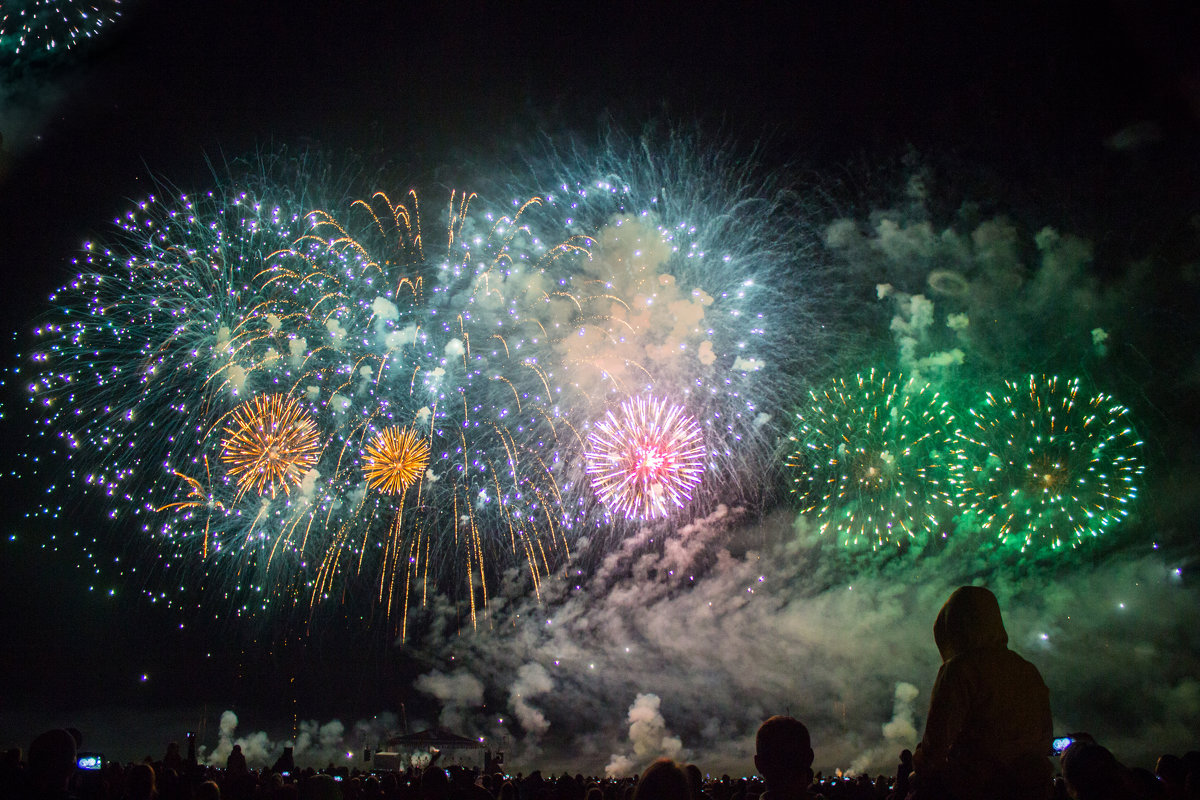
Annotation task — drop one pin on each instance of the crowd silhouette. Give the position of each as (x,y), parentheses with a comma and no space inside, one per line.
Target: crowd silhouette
(987,737)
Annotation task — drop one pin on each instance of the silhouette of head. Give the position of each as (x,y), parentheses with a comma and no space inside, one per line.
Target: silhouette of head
(1091,771)
(783,751)
(52,758)
(139,782)
(970,620)
(435,784)
(662,780)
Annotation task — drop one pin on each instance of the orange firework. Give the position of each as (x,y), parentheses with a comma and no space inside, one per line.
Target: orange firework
(270,445)
(395,459)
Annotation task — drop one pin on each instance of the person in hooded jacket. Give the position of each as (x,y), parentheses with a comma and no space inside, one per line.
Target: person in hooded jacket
(988,731)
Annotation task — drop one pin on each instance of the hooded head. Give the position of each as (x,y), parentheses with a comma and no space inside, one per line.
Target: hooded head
(970,620)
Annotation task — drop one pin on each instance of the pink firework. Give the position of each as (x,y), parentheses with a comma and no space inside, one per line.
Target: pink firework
(645,458)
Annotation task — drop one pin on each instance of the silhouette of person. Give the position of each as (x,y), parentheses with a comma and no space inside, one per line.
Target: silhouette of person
(988,731)
(286,763)
(51,764)
(1092,773)
(173,758)
(235,764)
(140,783)
(783,755)
(663,780)
(903,771)
(435,784)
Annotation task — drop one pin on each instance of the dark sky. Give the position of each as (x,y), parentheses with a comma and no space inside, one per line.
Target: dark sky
(1026,92)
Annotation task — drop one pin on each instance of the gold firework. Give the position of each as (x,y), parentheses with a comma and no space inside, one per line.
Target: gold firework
(270,445)
(395,459)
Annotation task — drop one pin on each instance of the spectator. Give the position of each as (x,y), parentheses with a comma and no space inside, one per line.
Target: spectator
(1092,772)
(324,787)
(784,756)
(235,765)
(1191,771)
(139,783)
(435,785)
(463,786)
(1145,784)
(1173,775)
(903,771)
(51,764)
(663,780)
(173,759)
(988,731)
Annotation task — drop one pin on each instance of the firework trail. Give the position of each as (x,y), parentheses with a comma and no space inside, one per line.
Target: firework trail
(454,339)
(871,458)
(34,28)
(1047,465)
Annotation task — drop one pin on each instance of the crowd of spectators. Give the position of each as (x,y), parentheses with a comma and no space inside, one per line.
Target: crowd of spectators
(987,737)
(49,772)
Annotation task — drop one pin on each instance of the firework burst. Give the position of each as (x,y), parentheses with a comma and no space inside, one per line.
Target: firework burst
(645,459)
(270,444)
(871,459)
(395,459)
(1046,465)
(153,347)
(31,28)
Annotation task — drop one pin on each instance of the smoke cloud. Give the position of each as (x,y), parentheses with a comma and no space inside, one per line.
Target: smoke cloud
(315,745)
(532,680)
(458,692)
(715,626)
(648,736)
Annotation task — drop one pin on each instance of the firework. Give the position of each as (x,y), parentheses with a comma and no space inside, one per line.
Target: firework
(207,301)
(645,458)
(493,336)
(1046,465)
(699,287)
(31,28)
(150,350)
(458,340)
(871,459)
(270,444)
(395,459)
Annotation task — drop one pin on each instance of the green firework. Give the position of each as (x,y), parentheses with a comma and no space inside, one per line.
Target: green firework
(1046,465)
(36,28)
(870,460)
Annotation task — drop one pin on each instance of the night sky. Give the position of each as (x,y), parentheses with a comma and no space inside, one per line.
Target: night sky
(1082,116)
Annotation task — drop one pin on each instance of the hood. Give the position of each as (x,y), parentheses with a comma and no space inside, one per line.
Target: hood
(970,620)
